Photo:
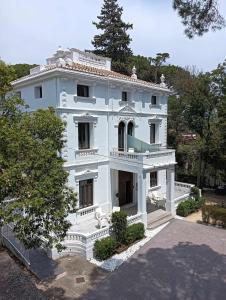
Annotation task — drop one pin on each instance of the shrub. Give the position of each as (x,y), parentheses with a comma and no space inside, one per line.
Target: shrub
(119,226)
(195,192)
(104,248)
(189,206)
(213,214)
(134,232)
(185,208)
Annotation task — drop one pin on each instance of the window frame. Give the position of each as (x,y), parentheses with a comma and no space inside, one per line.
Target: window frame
(153,180)
(83,90)
(154,103)
(152,140)
(38,92)
(84,145)
(86,196)
(124,96)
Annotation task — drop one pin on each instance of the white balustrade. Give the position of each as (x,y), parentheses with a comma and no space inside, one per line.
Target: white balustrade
(86,211)
(134,219)
(160,157)
(86,152)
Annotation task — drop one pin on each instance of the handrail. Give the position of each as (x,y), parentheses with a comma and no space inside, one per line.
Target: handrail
(14,246)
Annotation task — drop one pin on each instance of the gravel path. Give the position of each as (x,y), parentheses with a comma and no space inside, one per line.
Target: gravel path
(185,261)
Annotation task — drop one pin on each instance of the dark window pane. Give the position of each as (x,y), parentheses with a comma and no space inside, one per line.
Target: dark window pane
(130,128)
(153,179)
(121,129)
(153,100)
(38,92)
(124,96)
(82,90)
(152,134)
(85,193)
(83,136)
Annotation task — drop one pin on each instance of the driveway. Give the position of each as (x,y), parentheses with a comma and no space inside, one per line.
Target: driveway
(185,261)
(15,282)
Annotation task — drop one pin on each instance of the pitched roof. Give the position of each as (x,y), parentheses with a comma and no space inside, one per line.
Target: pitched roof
(94,71)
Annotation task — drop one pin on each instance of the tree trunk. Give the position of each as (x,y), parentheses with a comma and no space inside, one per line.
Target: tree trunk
(199,171)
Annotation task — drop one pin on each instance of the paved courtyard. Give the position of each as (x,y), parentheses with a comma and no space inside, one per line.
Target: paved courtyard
(184,261)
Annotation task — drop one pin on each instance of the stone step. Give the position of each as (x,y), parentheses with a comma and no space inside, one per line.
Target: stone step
(157,215)
(160,221)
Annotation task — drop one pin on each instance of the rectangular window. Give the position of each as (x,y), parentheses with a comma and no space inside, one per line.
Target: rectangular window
(153,100)
(85,193)
(124,96)
(152,134)
(82,90)
(38,92)
(153,179)
(83,135)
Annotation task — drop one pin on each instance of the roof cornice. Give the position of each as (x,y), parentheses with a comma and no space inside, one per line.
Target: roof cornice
(59,71)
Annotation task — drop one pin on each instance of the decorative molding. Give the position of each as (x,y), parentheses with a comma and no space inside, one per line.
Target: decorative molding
(158,106)
(85,118)
(154,119)
(88,174)
(91,100)
(127,110)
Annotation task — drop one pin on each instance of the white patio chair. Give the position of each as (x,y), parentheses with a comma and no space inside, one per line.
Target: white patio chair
(115,209)
(101,217)
(158,199)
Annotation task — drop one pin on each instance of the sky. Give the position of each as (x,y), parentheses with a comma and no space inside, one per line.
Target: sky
(32,30)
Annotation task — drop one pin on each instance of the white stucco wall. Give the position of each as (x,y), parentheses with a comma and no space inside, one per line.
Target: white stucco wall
(104,106)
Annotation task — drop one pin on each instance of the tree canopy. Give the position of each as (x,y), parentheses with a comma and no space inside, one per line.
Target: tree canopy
(199,16)
(34,195)
(113,41)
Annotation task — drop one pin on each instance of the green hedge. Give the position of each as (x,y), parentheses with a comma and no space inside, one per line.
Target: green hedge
(189,206)
(134,232)
(213,214)
(119,226)
(195,192)
(104,248)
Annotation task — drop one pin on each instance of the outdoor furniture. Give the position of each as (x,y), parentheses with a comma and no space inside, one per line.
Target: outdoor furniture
(101,217)
(158,199)
(115,209)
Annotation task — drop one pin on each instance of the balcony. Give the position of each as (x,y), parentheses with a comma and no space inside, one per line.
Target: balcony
(143,155)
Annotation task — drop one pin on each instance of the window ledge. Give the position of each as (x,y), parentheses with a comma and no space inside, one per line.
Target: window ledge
(155,106)
(86,152)
(122,103)
(85,99)
(153,188)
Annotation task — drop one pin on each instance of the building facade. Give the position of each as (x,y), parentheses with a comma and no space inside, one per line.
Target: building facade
(116,138)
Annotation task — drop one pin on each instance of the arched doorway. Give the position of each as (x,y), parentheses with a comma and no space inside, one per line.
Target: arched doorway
(121,139)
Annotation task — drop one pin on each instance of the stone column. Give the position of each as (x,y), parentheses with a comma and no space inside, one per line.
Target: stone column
(170,204)
(142,202)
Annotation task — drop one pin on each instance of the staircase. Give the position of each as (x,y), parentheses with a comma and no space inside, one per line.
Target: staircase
(158,218)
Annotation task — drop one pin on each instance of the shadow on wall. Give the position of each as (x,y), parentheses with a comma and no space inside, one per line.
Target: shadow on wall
(186,271)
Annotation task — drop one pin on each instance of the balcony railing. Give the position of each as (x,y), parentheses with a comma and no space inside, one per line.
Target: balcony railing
(140,146)
(160,157)
(85,152)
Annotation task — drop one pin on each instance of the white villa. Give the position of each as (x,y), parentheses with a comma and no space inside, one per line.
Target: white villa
(116,142)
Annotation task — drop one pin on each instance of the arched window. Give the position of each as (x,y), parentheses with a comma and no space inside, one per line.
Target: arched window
(130,129)
(121,131)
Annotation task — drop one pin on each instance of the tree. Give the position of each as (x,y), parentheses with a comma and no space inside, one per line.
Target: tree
(22,69)
(34,195)
(157,62)
(114,40)
(7,74)
(199,16)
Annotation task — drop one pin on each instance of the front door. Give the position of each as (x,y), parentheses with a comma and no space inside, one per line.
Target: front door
(125,184)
